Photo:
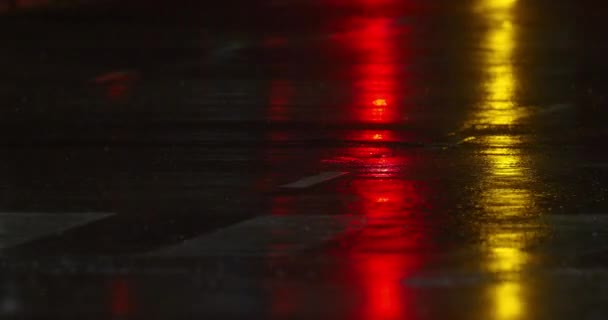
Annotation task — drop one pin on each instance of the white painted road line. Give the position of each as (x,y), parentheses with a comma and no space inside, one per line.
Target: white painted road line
(313,180)
(266,235)
(20,227)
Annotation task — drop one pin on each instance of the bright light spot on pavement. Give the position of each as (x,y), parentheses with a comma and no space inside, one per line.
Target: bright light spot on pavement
(495,5)
(380,103)
(383,199)
(371,135)
(511,302)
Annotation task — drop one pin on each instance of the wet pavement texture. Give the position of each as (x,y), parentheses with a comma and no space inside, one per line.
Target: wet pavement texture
(293,159)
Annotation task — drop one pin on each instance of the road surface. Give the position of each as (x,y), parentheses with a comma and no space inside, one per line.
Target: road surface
(294,159)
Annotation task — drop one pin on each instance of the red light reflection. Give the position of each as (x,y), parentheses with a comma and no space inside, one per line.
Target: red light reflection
(372,136)
(117,85)
(121,303)
(390,243)
(282,205)
(281,93)
(275,42)
(385,296)
(380,102)
(22,4)
(387,200)
(376,85)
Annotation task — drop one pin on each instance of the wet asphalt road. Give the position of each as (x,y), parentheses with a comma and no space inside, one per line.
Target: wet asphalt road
(295,159)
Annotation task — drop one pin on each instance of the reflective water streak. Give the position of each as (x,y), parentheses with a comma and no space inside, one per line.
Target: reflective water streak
(505,195)
(500,82)
(385,198)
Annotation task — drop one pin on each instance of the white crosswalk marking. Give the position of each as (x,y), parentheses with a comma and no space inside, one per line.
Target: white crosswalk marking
(266,235)
(20,227)
(313,180)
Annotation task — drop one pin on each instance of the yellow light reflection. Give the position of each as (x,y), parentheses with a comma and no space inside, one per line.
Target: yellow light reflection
(380,102)
(510,306)
(503,195)
(495,4)
(497,107)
